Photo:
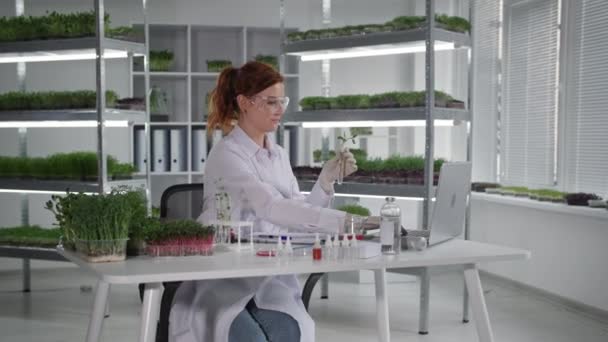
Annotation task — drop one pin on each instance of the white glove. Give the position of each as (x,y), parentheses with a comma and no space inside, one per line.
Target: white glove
(331,170)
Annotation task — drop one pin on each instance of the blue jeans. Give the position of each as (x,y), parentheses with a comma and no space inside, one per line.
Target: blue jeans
(258,325)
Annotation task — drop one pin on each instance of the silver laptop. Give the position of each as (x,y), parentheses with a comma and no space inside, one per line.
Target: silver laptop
(447,221)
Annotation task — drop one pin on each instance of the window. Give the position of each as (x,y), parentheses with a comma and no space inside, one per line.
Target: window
(586,97)
(487,17)
(529,118)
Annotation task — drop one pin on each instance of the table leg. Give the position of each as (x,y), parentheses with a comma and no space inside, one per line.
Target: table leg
(425,289)
(99,308)
(325,286)
(26,275)
(384,333)
(465,305)
(149,312)
(478,303)
(106,313)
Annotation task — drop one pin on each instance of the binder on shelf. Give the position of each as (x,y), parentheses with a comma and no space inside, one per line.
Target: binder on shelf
(140,150)
(199,149)
(160,150)
(178,150)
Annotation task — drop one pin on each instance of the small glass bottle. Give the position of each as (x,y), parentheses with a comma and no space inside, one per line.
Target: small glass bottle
(317,252)
(390,227)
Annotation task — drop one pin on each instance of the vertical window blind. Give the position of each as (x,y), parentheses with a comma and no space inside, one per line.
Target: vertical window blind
(529,105)
(586,115)
(486,63)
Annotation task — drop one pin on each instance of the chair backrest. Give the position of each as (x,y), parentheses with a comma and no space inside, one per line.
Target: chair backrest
(450,207)
(182,201)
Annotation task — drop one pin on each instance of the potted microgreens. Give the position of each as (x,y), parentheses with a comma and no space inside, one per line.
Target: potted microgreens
(393,170)
(546,195)
(30,236)
(161,60)
(217,65)
(268,60)
(96,226)
(355,209)
(179,238)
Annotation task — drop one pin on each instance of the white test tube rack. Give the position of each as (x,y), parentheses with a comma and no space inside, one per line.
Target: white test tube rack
(239,226)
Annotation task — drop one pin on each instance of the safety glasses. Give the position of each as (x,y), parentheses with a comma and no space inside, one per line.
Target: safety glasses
(271,103)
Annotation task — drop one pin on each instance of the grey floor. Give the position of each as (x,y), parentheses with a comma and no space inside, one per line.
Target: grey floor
(58,307)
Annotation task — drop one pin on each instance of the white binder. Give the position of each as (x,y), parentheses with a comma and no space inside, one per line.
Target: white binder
(160,150)
(178,150)
(140,150)
(199,149)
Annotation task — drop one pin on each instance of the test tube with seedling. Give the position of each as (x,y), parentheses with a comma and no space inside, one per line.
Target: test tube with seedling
(344,139)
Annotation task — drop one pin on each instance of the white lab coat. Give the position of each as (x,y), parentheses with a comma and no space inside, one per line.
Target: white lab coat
(204,310)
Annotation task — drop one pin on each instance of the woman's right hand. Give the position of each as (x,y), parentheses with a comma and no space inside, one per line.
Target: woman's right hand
(331,169)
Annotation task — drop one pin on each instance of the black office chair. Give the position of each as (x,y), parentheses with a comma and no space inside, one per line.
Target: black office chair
(186,201)
(177,202)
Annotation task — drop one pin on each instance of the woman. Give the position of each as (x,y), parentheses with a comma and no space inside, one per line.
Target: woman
(247,104)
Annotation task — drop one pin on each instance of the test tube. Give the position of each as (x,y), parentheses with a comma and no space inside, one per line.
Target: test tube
(341,172)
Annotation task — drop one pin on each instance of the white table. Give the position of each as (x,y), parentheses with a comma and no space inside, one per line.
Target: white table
(154,271)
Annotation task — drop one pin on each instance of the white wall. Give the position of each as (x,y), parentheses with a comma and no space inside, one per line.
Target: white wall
(568,250)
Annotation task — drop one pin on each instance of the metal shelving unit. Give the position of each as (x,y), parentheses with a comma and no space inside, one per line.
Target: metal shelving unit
(389,114)
(70,47)
(98,48)
(374,189)
(60,186)
(381,40)
(188,80)
(15,118)
(426,40)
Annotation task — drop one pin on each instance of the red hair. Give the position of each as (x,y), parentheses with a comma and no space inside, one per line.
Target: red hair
(248,80)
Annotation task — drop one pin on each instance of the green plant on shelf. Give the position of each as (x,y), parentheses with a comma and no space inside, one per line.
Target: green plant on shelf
(361,131)
(456,24)
(53,100)
(217,65)
(350,102)
(161,60)
(397,163)
(126,33)
(355,209)
(80,166)
(406,23)
(268,60)
(515,191)
(546,195)
(392,99)
(55,25)
(315,103)
(51,26)
(450,23)
(30,236)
